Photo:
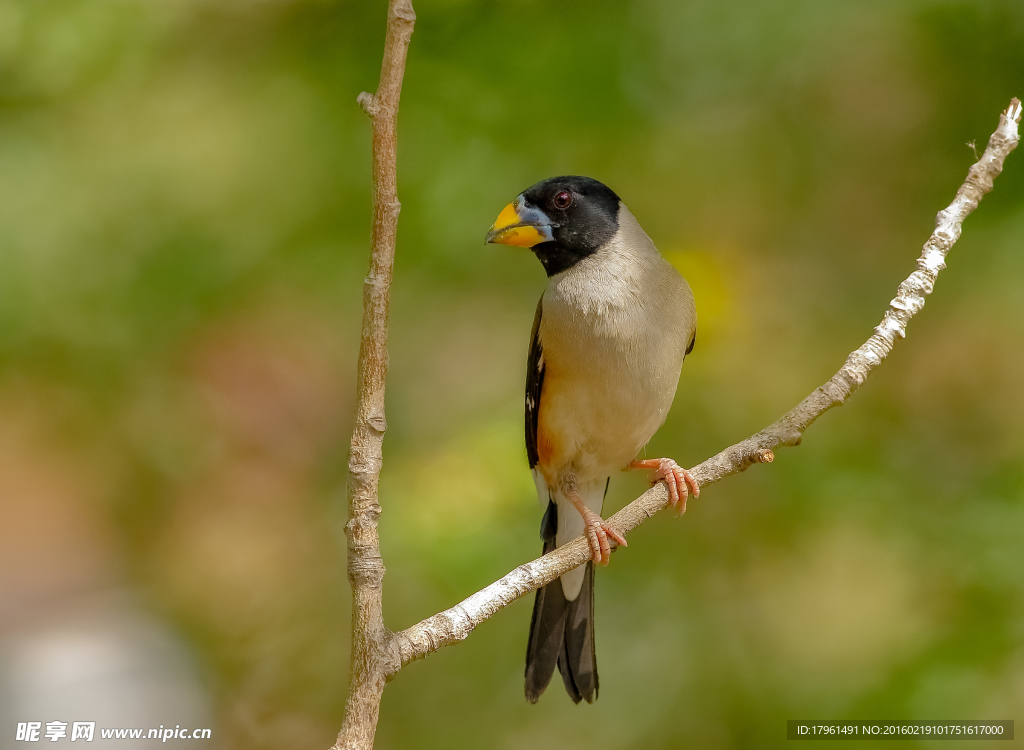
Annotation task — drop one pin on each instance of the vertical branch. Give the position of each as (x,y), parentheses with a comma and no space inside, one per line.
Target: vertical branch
(371,657)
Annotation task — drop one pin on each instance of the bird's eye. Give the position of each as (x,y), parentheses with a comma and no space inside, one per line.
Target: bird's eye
(563,199)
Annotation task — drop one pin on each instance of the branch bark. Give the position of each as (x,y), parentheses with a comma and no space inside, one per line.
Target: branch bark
(455,624)
(372,658)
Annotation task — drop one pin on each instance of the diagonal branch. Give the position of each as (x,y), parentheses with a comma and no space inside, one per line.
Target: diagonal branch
(455,624)
(370,653)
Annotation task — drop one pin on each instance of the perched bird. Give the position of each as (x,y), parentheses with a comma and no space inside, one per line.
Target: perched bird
(609,338)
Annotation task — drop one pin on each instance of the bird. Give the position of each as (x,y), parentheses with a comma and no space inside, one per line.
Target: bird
(609,337)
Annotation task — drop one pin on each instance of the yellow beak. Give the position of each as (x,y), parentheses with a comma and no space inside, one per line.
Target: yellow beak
(521,225)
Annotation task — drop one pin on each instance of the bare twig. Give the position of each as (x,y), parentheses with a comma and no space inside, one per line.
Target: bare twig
(372,658)
(455,624)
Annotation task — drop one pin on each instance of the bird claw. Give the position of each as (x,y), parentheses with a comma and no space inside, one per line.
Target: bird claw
(598,532)
(679,481)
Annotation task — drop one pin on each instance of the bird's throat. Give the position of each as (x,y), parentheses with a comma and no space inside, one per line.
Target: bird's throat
(557,258)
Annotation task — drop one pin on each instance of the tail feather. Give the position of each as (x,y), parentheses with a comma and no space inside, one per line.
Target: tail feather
(562,632)
(547,626)
(578,660)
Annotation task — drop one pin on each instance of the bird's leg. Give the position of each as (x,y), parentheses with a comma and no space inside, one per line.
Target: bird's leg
(596,528)
(679,481)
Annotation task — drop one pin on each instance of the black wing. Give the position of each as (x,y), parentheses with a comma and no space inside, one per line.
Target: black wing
(534,382)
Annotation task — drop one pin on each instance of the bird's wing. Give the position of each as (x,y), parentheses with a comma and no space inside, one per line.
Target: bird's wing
(534,384)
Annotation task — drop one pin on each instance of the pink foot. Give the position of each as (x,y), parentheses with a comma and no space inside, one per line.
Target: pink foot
(679,481)
(597,531)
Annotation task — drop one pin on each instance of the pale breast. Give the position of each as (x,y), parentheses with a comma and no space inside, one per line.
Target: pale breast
(614,331)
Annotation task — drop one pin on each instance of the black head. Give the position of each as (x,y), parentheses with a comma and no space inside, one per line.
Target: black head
(562,219)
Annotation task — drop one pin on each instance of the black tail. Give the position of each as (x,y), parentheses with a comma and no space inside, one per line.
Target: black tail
(562,632)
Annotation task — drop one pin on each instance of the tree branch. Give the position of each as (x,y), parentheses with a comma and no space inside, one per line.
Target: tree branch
(372,657)
(455,624)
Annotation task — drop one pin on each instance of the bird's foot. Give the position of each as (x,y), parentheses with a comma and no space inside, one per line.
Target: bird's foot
(598,531)
(679,481)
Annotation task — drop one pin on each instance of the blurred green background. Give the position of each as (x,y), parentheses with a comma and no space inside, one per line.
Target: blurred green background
(184,223)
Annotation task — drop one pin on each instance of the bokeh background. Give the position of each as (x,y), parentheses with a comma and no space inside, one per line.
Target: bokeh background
(184,221)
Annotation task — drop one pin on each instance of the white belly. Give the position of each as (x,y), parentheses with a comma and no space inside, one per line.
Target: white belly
(600,411)
(613,335)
